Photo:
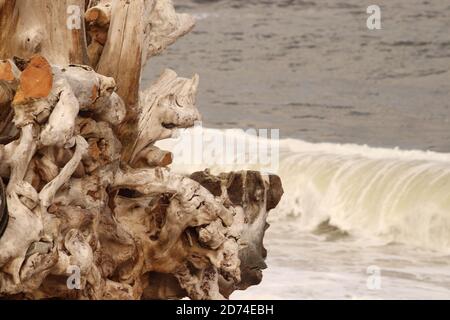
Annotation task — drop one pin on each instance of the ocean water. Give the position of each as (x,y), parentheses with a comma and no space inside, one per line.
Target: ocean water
(365,140)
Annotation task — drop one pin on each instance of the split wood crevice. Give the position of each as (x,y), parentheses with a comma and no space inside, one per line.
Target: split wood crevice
(82,183)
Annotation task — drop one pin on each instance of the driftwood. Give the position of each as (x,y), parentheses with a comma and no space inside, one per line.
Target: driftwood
(89,208)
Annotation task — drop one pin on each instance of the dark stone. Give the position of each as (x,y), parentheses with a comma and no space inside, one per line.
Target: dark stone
(20,63)
(275,192)
(4,217)
(211,183)
(163,286)
(254,186)
(235,189)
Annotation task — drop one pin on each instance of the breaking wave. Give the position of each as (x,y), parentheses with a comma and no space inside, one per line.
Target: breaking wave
(386,194)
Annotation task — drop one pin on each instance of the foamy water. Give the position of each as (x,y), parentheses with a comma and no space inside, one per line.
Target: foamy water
(311,266)
(390,195)
(346,208)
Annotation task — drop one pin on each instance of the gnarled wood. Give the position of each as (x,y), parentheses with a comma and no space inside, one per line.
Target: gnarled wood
(85,188)
(31,27)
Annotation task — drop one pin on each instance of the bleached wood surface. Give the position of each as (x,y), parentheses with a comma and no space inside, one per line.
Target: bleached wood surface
(86,188)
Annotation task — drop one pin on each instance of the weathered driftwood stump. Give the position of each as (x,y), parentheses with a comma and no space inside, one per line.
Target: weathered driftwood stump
(85,195)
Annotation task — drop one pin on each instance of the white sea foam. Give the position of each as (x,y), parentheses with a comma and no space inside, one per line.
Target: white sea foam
(388,195)
(203,15)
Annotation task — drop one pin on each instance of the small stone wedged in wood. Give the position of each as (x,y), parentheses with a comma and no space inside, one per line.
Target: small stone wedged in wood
(36,81)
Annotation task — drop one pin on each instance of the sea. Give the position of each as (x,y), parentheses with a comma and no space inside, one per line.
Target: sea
(364,136)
